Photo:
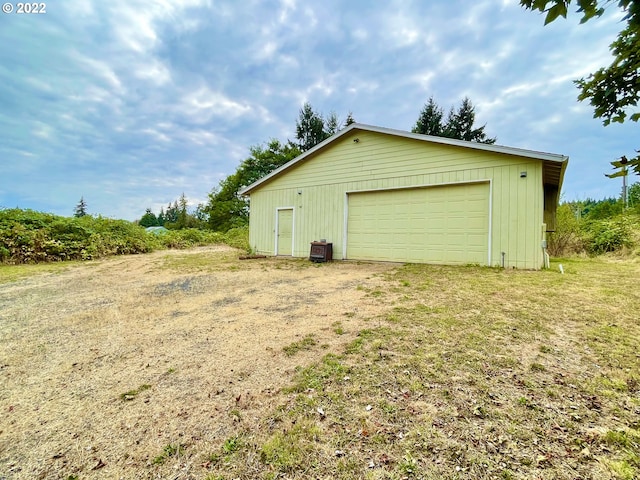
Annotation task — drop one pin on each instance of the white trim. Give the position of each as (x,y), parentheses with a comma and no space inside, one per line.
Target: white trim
(520,152)
(490,222)
(345,225)
(422,186)
(293,229)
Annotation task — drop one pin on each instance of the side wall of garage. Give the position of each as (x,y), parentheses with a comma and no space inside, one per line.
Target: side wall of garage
(318,191)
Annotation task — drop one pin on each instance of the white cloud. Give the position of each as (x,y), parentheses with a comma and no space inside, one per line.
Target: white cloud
(359,86)
(520,89)
(154,71)
(39,84)
(424,79)
(288,6)
(134,30)
(200,137)
(202,104)
(401,30)
(475,18)
(134,22)
(266,50)
(42,130)
(157,134)
(360,34)
(98,68)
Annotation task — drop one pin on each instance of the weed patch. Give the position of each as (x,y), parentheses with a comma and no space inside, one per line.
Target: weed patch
(131,394)
(171,450)
(307,343)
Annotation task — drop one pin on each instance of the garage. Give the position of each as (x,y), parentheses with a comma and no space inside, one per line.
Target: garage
(386,195)
(444,224)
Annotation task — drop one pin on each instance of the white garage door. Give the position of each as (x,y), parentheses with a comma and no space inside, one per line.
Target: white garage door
(448,224)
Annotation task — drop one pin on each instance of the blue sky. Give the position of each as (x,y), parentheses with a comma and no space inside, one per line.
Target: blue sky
(131,103)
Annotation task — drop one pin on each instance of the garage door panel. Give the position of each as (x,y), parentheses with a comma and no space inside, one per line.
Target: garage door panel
(448,224)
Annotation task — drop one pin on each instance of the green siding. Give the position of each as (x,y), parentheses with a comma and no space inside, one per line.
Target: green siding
(317,188)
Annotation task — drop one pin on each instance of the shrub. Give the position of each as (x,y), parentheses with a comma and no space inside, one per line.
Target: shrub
(238,237)
(27,236)
(592,233)
(568,237)
(609,235)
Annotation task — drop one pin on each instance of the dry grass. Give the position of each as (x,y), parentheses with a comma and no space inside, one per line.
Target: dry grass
(106,366)
(196,365)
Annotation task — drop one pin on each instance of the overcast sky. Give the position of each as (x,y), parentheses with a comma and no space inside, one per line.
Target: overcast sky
(131,103)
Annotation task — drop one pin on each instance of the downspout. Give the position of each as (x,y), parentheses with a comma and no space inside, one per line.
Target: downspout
(545,253)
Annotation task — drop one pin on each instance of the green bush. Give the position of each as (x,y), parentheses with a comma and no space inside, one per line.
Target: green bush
(27,236)
(191,237)
(593,232)
(568,237)
(609,235)
(238,237)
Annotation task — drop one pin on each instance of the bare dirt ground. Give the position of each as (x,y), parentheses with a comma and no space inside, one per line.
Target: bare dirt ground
(104,365)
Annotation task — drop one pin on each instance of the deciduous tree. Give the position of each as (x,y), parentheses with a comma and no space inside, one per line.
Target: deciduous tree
(226,209)
(149,219)
(634,195)
(614,90)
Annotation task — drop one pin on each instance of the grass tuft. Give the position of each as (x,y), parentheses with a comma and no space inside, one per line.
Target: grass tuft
(307,343)
(171,450)
(131,394)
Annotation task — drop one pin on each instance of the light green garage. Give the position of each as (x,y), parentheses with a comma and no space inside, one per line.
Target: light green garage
(388,195)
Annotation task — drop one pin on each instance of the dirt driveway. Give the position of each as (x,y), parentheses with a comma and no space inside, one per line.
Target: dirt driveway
(107,364)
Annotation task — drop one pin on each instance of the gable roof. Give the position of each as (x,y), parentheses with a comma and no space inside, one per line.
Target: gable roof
(553,167)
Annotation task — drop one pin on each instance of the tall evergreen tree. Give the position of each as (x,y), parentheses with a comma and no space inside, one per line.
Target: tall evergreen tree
(332,125)
(183,215)
(459,123)
(81,208)
(430,120)
(634,195)
(310,129)
(171,213)
(349,120)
